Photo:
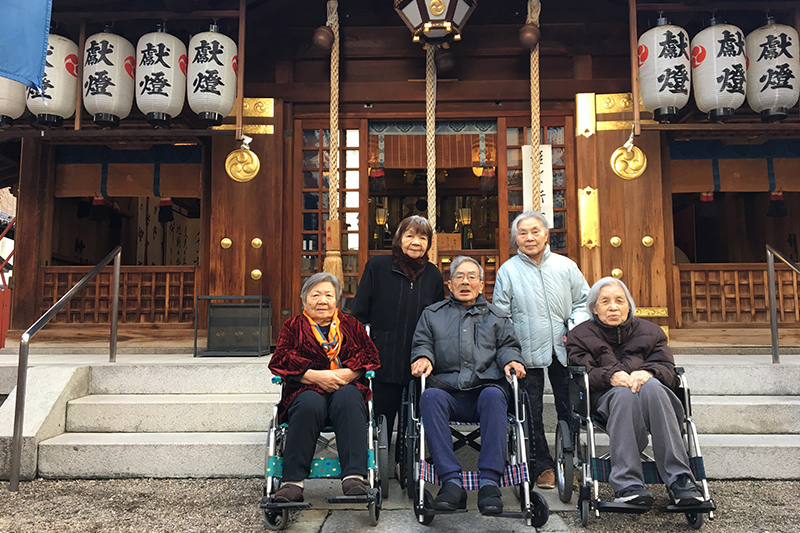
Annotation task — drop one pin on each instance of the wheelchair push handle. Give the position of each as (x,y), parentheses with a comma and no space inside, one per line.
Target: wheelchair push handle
(277,380)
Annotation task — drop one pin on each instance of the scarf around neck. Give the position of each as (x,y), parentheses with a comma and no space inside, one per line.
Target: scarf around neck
(333,343)
(411,267)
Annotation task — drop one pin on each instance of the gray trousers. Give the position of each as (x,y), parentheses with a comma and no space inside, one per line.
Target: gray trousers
(630,416)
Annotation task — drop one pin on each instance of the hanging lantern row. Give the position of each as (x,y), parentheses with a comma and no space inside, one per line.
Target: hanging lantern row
(159,72)
(723,67)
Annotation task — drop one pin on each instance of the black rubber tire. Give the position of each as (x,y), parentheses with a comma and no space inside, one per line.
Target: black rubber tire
(375,508)
(276,520)
(695,520)
(540,511)
(584,509)
(564,462)
(411,446)
(383,456)
(527,429)
(400,451)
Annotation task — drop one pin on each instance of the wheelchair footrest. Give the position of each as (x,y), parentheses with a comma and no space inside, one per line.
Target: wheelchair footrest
(617,507)
(370,497)
(267,503)
(704,507)
(425,511)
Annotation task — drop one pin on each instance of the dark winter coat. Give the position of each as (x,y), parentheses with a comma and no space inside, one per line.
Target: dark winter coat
(635,344)
(298,351)
(468,347)
(391,304)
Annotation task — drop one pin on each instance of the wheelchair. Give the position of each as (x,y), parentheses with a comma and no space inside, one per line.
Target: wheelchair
(415,469)
(277,513)
(575,453)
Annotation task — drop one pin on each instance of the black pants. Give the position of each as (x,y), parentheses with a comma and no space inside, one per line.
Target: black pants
(311,411)
(386,400)
(534,384)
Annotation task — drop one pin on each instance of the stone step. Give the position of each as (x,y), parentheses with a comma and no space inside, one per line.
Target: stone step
(182,455)
(198,378)
(158,413)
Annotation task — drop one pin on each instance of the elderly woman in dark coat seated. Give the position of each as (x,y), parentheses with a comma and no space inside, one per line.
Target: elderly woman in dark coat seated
(631,380)
(322,355)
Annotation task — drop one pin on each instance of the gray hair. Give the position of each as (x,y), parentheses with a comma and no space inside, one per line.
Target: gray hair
(594,293)
(458,261)
(525,215)
(316,279)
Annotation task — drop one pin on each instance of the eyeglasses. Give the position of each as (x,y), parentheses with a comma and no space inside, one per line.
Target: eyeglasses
(471,276)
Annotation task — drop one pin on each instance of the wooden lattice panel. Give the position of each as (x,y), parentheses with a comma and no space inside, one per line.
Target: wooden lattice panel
(738,293)
(146,294)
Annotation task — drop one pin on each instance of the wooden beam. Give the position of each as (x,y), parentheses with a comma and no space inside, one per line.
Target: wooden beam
(79,92)
(120,135)
(98,16)
(634,40)
(240,67)
(717,6)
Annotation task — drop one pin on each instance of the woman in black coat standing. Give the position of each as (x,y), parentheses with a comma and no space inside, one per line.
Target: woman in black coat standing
(391,295)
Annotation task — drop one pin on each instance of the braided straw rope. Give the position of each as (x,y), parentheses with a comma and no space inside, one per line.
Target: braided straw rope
(333,255)
(534,9)
(430,137)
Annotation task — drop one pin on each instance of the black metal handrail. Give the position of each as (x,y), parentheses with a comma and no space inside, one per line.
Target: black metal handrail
(773,310)
(22,369)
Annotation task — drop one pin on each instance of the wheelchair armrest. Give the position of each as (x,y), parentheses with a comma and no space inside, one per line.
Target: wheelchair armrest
(576,369)
(277,380)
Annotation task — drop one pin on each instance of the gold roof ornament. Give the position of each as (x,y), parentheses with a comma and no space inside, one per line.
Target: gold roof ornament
(242,164)
(628,162)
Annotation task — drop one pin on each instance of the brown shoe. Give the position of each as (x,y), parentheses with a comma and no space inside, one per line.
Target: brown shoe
(547,479)
(354,486)
(289,493)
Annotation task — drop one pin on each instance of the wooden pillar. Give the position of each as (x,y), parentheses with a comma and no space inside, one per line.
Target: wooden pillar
(33,233)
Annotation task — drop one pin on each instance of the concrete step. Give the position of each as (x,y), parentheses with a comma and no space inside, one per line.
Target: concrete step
(181,455)
(158,413)
(748,415)
(159,455)
(198,378)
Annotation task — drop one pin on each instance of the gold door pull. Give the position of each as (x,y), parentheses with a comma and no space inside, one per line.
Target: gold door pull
(648,241)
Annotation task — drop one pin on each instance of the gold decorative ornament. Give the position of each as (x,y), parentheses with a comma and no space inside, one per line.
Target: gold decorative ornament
(652,312)
(251,129)
(257,107)
(226,243)
(256,243)
(617,273)
(588,214)
(613,125)
(648,241)
(585,118)
(616,242)
(628,164)
(242,164)
(437,7)
(255,274)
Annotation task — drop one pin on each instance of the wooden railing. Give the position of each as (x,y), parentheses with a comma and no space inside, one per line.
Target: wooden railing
(148,294)
(727,294)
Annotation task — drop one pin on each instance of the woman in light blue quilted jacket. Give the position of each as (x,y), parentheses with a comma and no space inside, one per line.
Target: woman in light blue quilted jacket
(545,294)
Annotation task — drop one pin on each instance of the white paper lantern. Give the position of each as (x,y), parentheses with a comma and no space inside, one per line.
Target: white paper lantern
(12,101)
(719,70)
(109,66)
(160,76)
(211,77)
(773,70)
(59,83)
(664,70)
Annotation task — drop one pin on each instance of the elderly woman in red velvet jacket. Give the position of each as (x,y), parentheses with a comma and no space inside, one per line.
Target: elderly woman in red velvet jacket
(322,355)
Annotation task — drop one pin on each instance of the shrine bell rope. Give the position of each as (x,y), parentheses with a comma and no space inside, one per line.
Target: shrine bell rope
(430,137)
(333,256)
(534,9)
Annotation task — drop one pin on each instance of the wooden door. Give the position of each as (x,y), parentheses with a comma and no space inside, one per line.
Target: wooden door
(631,242)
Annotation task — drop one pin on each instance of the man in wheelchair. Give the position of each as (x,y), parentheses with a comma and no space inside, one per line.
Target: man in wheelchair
(631,383)
(467,349)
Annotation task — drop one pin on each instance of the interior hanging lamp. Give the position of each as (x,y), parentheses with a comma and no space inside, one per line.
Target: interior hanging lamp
(435,21)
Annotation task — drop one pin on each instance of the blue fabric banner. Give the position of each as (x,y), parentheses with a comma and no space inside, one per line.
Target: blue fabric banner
(24,28)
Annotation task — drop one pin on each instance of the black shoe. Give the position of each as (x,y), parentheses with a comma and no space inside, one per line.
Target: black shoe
(636,495)
(289,493)
(489,500)
(684,492)
(450,498)
(354,486)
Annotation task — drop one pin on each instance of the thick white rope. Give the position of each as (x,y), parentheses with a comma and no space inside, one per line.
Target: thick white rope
(534,9)
(430,138)
(333,188)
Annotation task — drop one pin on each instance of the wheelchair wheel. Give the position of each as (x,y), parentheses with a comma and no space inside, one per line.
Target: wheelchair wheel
(584,509)
(276,520)
(383,456)
(411,449)
(527,429)
(540,511)
(695,520)
(400,447)
(423,519)
(375,508)
(564,462)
